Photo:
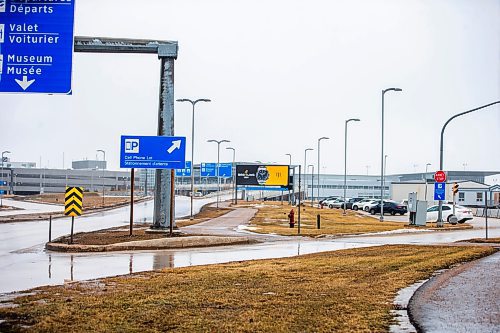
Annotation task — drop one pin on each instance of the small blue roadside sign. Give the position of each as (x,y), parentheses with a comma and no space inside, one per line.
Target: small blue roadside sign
(184,172)
(153,152)
(36,46)
(2,191)
(439,191)
(226,170)
(208,169)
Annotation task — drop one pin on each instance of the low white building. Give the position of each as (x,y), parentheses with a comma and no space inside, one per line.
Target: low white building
(470,193)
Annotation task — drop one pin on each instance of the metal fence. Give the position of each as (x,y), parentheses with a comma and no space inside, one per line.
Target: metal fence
(495,213)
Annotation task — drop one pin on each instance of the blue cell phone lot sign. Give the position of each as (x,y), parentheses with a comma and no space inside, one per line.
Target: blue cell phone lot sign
(153,152)
(36,46)
(439,191)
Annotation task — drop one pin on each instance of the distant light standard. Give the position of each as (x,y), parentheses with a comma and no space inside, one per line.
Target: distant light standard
(382,156)
(305,172)
(426,166)
(312,183)
(102,181)
(345,161)
(234,175)
(217,168)
(1,195)
(290,201)
(193,103)
(385,172)
(319,166)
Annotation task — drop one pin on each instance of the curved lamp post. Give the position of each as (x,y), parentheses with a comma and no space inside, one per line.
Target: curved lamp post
(319,166)
(382,156)
(193,103)
(102,180)
(234,175)
(217,168)
(305,171)
(440,211)
(345,160)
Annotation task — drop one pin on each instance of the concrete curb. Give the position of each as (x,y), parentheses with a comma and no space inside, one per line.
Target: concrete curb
(153,244)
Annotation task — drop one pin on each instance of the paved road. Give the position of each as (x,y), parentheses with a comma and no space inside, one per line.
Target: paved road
(464,299)
(28,208)
(24,263)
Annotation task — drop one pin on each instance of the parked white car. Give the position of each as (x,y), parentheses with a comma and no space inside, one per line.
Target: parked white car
(370,204)
(360,204)
(462,213)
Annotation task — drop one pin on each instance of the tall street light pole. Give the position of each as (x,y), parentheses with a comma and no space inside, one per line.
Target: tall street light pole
(102,180)
(305,171)
(426,166)
(319,166)
(385,172)
(290,201)
(440,211)
(1,194)
(345,161)
(234,175)
(217,168)
(193,103)
(312,183)
(382,156)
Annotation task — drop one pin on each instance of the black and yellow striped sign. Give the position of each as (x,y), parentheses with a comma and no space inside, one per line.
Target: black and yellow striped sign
(73,201)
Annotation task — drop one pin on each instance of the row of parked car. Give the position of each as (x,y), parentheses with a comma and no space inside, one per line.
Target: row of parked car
(372,206)
(369,205)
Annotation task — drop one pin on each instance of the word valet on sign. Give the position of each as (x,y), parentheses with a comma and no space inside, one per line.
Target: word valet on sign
(73,201)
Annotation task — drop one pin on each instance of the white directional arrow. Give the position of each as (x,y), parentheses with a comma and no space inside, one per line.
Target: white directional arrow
(175,145)
(25,83)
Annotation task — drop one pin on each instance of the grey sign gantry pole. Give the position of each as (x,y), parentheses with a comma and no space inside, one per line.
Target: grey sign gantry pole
(167,53)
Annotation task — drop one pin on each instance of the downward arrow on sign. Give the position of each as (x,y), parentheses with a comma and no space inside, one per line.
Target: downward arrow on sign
(25,83)
(175,145)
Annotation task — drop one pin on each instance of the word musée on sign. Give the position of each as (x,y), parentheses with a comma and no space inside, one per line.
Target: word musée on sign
(73,201)
(153,152)
(36,46)
(262,175)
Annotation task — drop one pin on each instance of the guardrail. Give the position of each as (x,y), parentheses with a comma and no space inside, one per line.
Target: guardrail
(495,213)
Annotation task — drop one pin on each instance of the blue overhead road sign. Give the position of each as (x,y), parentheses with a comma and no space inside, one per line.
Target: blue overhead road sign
(186,171)
(226,170)
(36,46)
(208,169)
(439,191)
(153,152)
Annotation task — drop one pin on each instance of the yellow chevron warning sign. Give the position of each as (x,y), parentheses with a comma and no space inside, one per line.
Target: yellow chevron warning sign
(73,201)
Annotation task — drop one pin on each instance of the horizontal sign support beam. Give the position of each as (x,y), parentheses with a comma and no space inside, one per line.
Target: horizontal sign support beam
(124,45)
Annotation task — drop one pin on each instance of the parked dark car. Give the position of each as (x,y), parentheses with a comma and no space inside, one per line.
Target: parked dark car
(389,207)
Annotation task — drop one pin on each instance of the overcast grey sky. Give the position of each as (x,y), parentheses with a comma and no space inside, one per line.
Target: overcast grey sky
(281,74)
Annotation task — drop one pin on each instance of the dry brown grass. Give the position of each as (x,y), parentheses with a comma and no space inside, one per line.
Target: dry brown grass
(90,200)
(342,291)
(121,234)
(272,218)
(206,213)
(494,240)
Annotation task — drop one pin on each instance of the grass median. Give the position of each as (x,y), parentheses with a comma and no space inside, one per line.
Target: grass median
(342,291)
(272,218)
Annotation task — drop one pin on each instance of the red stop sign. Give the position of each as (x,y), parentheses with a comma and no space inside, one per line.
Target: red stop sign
(440,176)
